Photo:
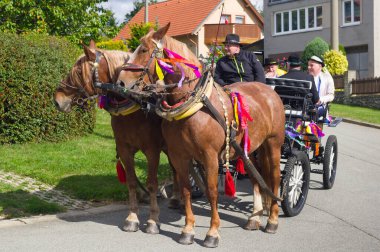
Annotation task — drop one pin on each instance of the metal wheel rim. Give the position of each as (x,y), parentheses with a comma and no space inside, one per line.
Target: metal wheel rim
(331,164)
(295,184)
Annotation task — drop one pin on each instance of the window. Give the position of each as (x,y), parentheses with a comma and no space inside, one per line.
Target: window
(298,20)
(358,60)
(240,19)
(225,19)
(351,12)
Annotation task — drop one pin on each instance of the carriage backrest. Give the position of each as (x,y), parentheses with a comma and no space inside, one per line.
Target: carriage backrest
(295,95)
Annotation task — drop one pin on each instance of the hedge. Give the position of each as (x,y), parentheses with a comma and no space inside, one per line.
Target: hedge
(31,67)
(112,45)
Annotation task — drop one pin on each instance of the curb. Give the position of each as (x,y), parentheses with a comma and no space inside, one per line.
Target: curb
(63,216)
(370,125)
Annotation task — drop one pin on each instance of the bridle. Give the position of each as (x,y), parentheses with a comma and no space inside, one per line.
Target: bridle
(83,96)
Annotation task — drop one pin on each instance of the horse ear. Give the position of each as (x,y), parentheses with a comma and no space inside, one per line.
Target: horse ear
(92,44)
(160,33)
(89,52)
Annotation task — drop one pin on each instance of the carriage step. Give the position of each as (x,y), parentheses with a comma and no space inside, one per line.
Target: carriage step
(319,171)
(335,122)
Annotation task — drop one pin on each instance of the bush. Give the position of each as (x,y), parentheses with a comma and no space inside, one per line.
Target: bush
(31,67)
(112,45)
(315,47)
(137,32)
(335,62)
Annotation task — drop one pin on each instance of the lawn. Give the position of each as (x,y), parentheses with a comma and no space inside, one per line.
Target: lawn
(15,202)
(361,114)
(83,167)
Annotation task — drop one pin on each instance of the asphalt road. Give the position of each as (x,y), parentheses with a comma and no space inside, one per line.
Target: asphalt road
(345,218)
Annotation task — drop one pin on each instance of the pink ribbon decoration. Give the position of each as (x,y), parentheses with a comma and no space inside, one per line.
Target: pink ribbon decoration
(179,59)
(165,66)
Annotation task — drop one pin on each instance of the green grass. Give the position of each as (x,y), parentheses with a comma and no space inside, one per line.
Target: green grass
(84,167)
(361,114)
(15,202)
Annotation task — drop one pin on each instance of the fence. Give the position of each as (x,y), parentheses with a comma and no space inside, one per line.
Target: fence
(339,81)
(366,86)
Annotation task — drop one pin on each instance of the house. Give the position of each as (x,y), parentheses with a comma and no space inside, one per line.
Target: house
(291,24)
(196,22)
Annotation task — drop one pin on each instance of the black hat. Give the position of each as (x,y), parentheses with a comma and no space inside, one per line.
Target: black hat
(232,39)
(270,61)
(294,60)
(318,60)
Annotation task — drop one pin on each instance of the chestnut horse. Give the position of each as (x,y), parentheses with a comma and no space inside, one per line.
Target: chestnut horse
(133,132)
(202,138)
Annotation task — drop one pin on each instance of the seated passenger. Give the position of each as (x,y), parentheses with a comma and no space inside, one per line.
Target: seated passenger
(271,68)
(324,82)
(295,72)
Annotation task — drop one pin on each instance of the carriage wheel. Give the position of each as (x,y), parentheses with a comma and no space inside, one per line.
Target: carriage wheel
(295,184)
(197,180)
(330,160)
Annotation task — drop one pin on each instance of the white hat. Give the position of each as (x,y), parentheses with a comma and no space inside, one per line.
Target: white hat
(318,60)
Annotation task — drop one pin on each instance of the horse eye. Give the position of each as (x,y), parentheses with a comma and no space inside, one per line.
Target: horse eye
(144,50)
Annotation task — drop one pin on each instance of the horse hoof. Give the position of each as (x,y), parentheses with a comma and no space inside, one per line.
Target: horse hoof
(211,241)
(186,239)
(271,228)
(152,228)
(174,204)
(252,225)
(131,226)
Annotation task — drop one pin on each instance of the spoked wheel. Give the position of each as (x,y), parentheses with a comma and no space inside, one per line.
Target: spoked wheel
(330,160)
(295,183)
(197,180)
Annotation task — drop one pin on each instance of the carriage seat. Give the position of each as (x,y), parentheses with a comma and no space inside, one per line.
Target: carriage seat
(296,96)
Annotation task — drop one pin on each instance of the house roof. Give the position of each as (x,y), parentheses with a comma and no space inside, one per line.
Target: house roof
(185,16)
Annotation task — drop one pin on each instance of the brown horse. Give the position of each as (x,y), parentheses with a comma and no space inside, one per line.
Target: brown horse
(202,138)
(133,132)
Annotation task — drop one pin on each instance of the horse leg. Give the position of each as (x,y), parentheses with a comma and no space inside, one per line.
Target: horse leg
(153,158)
(127,157)
(273,151)
(253,222)
(211,166)
(175,199)
(182,169)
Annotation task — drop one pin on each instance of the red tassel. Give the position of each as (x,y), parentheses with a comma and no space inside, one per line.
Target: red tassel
(121,175)
(229,185)
(240,166)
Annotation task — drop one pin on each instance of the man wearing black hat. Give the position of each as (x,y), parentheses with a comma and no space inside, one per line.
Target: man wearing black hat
(237,65)
(295,72)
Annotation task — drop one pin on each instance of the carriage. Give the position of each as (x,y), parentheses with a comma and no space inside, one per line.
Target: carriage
(302,147)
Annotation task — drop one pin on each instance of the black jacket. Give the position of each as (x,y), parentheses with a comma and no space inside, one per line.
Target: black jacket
(243,67)
(300,75)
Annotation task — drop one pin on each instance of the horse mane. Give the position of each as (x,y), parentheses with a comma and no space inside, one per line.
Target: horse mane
(114,60)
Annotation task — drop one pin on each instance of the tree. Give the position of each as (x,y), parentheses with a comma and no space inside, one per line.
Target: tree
(138,4)
(137,32)
(315,47)
(79,20)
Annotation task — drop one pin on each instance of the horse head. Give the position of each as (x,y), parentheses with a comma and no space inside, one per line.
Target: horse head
(92,68)
(155,54)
